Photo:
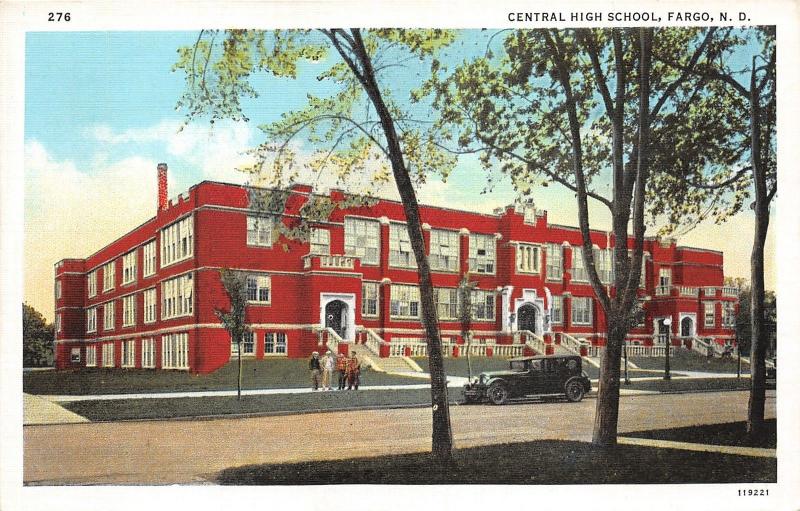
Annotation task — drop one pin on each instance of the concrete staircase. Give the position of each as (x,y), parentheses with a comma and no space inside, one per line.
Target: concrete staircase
(385,365)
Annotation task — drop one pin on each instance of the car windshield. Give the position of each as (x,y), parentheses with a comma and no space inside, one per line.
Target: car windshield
(517,365)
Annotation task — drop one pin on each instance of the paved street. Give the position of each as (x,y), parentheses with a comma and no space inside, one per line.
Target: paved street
(186,451)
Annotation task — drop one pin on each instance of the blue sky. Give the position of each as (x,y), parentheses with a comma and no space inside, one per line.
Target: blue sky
(100,113)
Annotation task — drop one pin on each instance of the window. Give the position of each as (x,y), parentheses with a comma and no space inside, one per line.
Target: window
(129,310)
(275,343)
(91,283)
(728,314)
(527,258)
(58,289)
(175,351)
(446,302)
(177,241)
(75,355)
(444,252)
(578,269)
(604,262)
(320,241)
(482,305)
(148,353)
(258,288)
(91,356)
(108,316)
(710,315)
(128,353)
(555,261)
(362,239)
(58,322)
(248,343)
(108,276)
(405,301)
(582,310)
(149,305)
(557,310)
(108,354)
(369,299)
(129,267)
(481,253)
(259,230)
(149,259)
(665,277)
(91,320)
(400,253)
(176,297)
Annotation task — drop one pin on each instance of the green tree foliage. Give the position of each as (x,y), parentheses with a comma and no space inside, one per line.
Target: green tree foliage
(37,338)
(233,317)
(358,136)
(600,113)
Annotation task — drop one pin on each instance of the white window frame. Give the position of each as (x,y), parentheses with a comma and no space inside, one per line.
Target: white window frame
(557,310)
(555,261)
(257,285)
(148,353)
(447,301)
(91,356)
(709,313)
(400,253)
(275,344)
(91,283)
(445,250)
(175,351)
(249,339)
(665,277)
(582,310)
(91,319)
(177,241)
(579,273)
(177,297)
(129,274)
(362,239)
(482,253)
(109,315)
(150,304)
(319,241)
(58,289)
(128,358)
(370,297)
(405,302)
(108,354)
(109,275)
(129,310)
(58,323)
(728,314)
(483,305)
(259,230)
(604,263)
(149,259)
(528,258)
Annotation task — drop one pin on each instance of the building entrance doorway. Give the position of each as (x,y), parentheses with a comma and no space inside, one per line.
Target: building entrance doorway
(687,327)
(336,317)
(526,318)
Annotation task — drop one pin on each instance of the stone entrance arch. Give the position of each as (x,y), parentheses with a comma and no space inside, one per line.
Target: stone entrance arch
(338,311)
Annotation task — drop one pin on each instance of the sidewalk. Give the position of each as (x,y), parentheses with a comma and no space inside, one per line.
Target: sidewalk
(38,410)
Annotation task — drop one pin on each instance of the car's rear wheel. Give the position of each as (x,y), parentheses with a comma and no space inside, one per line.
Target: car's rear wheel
(498,394)
(574,391)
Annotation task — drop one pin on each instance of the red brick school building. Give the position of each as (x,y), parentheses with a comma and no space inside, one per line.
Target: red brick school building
(147,300)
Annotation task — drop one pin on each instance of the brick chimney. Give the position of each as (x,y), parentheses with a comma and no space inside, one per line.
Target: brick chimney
(162,186)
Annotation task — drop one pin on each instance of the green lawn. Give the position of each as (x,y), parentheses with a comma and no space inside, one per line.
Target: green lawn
(687,360)
(257,374)
(540,462)
(731,433)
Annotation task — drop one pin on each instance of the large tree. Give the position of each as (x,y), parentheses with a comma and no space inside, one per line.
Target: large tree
(591,111)
(37,338)
(358,128)
(742,68)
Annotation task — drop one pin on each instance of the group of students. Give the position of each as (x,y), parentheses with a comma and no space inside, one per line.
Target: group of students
(349,370)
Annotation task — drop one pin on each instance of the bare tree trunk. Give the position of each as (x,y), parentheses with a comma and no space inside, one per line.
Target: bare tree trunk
(239,379)
(607,408)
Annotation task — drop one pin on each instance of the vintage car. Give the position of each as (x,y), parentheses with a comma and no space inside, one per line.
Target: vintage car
(772,375)
(529,376)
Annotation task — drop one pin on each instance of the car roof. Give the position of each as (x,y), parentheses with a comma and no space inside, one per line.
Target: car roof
(543,357)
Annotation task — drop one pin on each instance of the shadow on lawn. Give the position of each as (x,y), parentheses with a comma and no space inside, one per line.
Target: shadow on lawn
(540,462)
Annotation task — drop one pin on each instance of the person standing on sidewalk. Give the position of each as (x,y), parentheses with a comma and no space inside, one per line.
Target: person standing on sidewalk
(328,363)
(315,368)
(353,372)
(341,366)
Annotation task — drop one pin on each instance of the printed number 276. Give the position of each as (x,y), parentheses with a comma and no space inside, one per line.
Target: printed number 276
(58,16)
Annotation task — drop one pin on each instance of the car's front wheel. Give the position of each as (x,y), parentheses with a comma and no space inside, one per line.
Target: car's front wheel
(574,391)
(498,394)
